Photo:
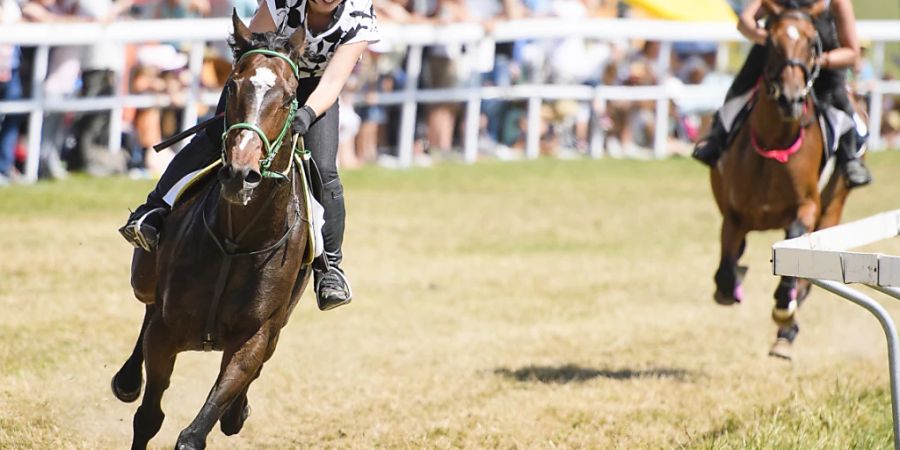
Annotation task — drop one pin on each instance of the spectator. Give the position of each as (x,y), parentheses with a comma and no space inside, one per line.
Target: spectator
(10,89)
(62,79)
(102,66)
(442,70)
(182,9)
(396,11)
(156,73)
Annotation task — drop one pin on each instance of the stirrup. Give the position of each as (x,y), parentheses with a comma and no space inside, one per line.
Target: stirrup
(325,305)
(134,231)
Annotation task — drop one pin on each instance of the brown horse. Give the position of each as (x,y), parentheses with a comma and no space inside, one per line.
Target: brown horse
(769,177)
(231,266)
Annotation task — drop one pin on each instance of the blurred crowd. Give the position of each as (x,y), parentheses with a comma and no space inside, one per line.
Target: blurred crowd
(80,141)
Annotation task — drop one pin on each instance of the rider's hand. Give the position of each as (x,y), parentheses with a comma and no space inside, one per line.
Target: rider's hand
(302,120)
(760,36)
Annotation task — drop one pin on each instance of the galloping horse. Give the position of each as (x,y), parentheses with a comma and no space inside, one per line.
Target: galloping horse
(231,267)
(769,176)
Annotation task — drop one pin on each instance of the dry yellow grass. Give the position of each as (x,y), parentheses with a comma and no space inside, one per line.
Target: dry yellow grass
(523,305)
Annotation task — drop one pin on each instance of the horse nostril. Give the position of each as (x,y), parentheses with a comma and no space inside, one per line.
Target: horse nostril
(252,179)
(226,173)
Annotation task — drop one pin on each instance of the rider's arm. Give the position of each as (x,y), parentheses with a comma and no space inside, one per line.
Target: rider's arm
(336,73)
(848,54)
(747,23)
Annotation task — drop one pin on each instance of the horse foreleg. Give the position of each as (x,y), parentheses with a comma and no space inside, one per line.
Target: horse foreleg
(233,418)
(240,366)
(127,382)
(160,352)
(788,293)
(729,276)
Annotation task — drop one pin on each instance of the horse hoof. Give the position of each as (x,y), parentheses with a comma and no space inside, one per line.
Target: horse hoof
(739,293)
(782,349)
(124,395)
(725,299)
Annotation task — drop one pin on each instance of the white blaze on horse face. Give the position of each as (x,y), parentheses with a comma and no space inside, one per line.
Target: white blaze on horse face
(793,32)
(263,80)
(246,136)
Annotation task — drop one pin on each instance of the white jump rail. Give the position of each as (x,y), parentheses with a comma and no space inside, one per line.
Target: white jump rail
(412,38)
(824,259)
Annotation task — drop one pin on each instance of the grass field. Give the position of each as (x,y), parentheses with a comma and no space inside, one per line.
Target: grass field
(503,305)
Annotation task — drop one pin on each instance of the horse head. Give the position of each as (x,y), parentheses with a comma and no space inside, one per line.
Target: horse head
(793,48)
(260,106)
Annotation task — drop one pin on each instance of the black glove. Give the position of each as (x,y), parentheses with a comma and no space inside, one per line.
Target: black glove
(302,120)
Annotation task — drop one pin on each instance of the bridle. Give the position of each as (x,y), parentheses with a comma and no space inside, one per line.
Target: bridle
(271,147)
(810,74)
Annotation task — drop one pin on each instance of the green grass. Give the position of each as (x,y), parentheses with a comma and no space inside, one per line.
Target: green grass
(547,304)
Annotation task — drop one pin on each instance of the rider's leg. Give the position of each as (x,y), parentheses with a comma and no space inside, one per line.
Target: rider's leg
(831,89)
(144,224)
(709,149)
(332,287)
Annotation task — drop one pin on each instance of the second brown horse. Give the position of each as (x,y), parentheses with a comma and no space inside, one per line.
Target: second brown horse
(769,176)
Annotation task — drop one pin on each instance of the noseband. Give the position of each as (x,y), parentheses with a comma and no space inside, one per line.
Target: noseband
(810,74)
(272,147)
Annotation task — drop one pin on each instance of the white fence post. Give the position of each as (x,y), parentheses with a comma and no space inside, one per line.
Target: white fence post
(661,132)
(473,105)
(598,134)
(191,103)
(410,106)
(533,137)
(876,98)
(36,116)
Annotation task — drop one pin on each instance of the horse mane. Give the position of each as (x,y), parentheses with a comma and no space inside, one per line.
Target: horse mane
(270,40)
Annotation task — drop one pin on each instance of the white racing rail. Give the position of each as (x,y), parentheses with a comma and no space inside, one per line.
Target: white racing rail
(413,39)
(824,259)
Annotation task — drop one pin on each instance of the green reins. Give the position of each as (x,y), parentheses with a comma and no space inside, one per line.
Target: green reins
(272,147)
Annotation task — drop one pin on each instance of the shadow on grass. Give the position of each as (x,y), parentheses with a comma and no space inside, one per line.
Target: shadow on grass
(571,373)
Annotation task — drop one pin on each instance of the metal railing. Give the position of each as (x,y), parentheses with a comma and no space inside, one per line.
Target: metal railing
(414,38)
(821,257)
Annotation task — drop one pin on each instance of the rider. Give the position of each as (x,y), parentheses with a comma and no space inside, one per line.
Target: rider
(337,33)
(837,30)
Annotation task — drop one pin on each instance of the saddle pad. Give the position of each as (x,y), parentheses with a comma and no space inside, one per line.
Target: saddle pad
(314,210)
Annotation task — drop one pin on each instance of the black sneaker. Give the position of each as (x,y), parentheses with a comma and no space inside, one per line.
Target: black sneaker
(857,173)
(143,231)
(332,289)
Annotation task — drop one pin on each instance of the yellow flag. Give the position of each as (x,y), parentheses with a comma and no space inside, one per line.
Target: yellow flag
(687,10)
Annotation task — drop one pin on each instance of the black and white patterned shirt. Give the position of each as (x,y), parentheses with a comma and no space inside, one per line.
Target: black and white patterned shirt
(354,22)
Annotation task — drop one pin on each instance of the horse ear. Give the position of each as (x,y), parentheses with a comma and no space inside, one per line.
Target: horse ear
(817,8)
(297,39)
(241,33)
(773,7)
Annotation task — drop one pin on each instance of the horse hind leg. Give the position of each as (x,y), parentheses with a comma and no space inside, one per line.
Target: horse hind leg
(160,352)
(240,366)
(127,382)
